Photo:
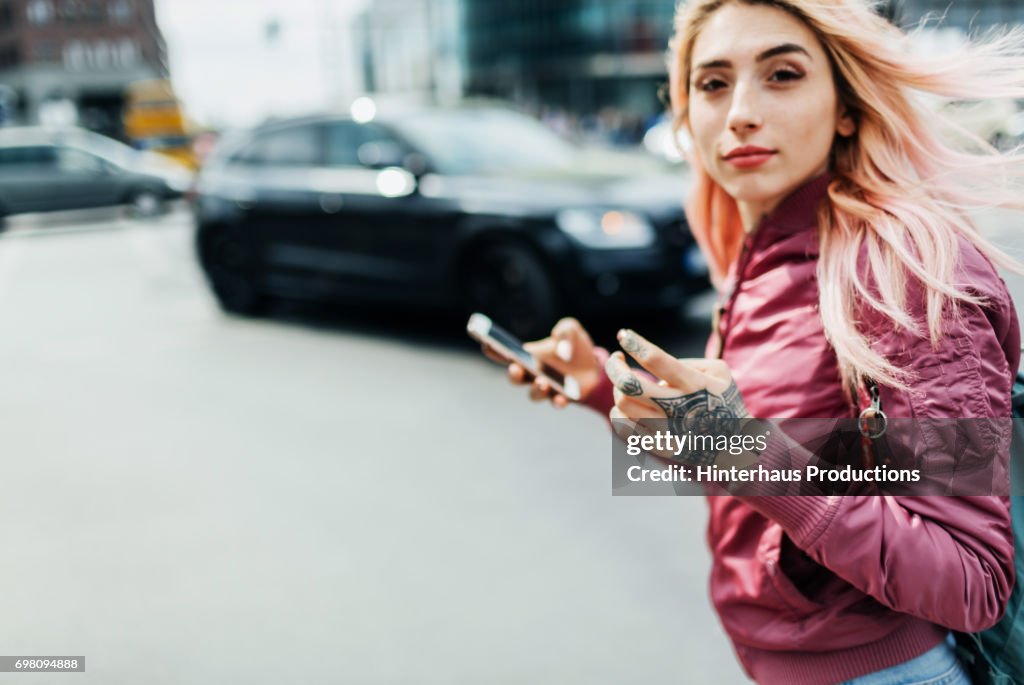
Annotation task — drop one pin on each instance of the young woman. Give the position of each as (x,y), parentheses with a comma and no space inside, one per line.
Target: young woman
(834,217)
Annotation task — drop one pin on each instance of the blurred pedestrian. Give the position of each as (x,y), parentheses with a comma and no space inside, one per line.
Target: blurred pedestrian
(835,220)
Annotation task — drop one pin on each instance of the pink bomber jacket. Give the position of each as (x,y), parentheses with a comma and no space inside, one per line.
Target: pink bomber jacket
(821,589)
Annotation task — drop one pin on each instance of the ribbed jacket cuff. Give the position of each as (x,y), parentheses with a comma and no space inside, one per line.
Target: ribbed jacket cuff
(804,518)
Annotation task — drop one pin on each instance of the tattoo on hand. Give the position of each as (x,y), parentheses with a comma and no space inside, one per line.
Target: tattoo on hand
(629,384)
(631,344)
(705,413)
(732,399)
(624,380)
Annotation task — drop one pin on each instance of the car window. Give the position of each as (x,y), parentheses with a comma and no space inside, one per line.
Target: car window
(36,155)
(72,160)
(367,145)
(293,146)
(483,140)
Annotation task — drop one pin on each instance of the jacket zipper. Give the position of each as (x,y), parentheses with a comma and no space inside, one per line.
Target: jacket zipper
(726,305)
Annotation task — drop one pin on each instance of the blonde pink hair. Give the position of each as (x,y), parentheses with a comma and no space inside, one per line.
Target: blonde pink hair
(900,185)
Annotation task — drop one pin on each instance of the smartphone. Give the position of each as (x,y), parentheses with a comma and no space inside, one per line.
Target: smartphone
(481,328)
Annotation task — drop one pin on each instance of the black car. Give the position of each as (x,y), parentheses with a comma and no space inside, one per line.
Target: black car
(474,207)
(45,170)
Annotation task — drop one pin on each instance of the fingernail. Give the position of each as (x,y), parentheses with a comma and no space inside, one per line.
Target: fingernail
(564,350)
(621,334)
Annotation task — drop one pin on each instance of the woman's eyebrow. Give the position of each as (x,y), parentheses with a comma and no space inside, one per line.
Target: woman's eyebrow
(782,49)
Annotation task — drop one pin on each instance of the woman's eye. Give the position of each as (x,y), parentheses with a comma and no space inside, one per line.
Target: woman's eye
(786,75)
(711,84)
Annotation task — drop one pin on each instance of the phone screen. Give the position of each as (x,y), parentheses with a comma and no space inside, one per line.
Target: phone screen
(516,347)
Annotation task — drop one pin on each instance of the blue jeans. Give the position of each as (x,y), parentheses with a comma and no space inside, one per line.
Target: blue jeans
(937,666)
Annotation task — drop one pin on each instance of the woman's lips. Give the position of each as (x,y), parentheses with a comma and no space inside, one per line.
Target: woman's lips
(749,160)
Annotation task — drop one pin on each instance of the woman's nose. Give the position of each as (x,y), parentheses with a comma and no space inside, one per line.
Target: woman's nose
(743,115)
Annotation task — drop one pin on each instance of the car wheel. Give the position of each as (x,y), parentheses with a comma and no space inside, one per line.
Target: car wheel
(232,271)
(510,284)
(146,204)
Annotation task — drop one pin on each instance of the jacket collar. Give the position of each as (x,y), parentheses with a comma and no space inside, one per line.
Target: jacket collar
(797,212)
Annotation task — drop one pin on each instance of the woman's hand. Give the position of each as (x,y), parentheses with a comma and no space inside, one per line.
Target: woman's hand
(570,350)
(696,394)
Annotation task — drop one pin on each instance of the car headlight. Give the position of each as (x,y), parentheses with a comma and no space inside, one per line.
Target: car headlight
(606,229)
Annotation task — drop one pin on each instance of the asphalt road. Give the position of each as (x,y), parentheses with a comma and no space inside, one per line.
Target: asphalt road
(314,497)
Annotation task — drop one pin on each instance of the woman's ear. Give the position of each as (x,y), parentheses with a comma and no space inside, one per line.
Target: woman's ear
(845,125)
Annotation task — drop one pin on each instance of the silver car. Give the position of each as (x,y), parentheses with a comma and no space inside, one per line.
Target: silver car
(44,170)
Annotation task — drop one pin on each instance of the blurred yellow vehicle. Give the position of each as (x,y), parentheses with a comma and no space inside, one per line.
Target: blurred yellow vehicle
(154,120)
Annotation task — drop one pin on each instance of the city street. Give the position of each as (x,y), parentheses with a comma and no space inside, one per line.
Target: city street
(315,497)
(328,494)
(310,498)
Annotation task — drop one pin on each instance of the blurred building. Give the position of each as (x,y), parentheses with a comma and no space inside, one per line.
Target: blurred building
(77,55)
(583,56)
(575,56)
(412,48)
(583,65)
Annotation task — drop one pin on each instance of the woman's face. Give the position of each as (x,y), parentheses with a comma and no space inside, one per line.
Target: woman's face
(763,109)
